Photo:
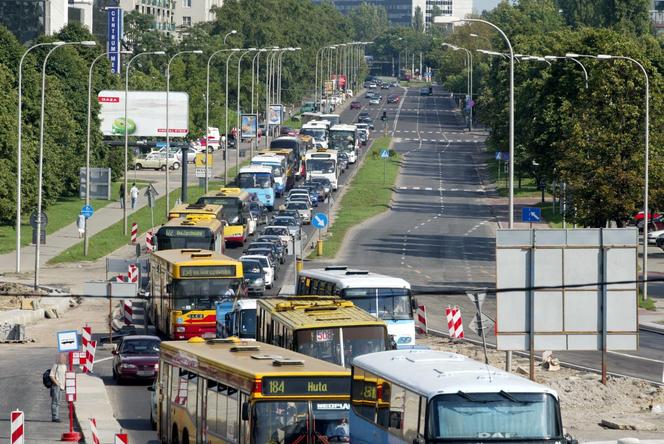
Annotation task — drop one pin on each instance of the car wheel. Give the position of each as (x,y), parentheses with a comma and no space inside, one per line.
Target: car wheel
(163,168)
(176,166)
(153,423)
(175,437)
(138,166)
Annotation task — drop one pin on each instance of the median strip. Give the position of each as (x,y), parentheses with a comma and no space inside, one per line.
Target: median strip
(367,195)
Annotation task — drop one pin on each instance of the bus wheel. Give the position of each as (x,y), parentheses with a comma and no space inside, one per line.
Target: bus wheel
(185,437)
(175,437)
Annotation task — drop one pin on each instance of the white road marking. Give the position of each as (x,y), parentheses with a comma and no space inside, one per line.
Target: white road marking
(104,359)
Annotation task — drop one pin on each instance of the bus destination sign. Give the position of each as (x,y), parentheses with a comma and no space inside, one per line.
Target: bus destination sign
(185,232)
(303,385)
(208,271)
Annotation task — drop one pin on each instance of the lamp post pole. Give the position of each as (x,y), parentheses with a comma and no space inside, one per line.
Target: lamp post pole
(238,136)
(228,59)
(126,135)
(40,178)
(19,150)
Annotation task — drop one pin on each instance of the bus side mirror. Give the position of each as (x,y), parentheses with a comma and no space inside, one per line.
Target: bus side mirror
(418,440)
(413,304)
(245,411)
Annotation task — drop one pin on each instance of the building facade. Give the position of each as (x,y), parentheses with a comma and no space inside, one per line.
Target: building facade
(190,12)
(28,19)
(657,15)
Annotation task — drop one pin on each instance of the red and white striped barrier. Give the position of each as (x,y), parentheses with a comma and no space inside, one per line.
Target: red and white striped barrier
(132,273)
(17,432)
(128,312)
(86,342)
(121,438)
(120,278)
(134,232)
(149,241)
(93,429)
(454,322)
(90,357)
(421,319)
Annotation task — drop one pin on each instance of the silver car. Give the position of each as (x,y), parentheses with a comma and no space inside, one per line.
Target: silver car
(303,209)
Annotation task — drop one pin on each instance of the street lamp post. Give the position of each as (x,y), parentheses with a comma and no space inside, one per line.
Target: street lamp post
(255,73)
(269,86)
(19,149)
(168,129)
(233,31)
(126,135)
(228,59)
(207,110)
(87,145)
(238,136)
(41,153)
(469,82)
(585,72)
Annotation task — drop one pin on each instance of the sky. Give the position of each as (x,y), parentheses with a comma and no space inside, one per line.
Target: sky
(480,5)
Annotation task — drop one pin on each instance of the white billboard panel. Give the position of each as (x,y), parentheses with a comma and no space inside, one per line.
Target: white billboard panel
(553,281)
(146,113)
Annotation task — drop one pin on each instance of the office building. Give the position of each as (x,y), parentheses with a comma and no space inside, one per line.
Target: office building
(657,15)
(28,19)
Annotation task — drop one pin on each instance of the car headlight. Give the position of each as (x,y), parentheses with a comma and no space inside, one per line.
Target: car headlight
(127,366)
(180,329)
(259,281)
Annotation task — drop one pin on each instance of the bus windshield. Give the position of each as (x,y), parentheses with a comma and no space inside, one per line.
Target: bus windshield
(342,140)
(323,165)
(386,303)
(255,180)
(172,238)
(290,422)
(325,343)
(317,133)
(202,294)
(231,206)
(497,416)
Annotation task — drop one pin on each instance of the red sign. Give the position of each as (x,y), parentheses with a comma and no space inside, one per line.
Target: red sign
(106,99)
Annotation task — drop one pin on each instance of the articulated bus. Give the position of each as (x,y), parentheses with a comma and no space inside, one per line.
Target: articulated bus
(427,396)
(343,138)
(202,231)
(387,297)
(258,180)
(236,209)
(290,143)
(322,163)
(281,168)
(325,327)
(185,285)
(197,209)
(245,392)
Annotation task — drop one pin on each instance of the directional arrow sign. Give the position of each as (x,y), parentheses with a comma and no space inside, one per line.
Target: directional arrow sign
(319,220)
(384,154)
(531,214)
(87,211)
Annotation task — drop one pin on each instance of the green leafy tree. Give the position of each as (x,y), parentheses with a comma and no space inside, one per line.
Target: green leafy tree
(623,15)
(368,21)
(418,19)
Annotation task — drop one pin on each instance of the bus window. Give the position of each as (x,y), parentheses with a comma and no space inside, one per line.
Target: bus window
(284,422)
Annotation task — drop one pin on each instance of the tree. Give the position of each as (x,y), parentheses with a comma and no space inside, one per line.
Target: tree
(368,21)
(622,15)
(418,19)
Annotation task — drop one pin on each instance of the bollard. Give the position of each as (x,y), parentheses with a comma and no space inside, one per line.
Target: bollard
(299,264)
(319,247)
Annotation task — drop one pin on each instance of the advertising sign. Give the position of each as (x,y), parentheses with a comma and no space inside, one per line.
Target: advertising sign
(275,115)
(340,80)
(146,113)
(114,38)
(249,126)
(329,86)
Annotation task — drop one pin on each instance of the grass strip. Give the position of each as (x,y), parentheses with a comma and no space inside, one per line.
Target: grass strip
(368,194)
(553,218)
(62,213)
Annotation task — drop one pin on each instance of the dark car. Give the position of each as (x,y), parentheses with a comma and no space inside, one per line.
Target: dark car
(355,105)
(286,131)
(393,98)
(365,118)
(278,252)
(259,211)
(371,94)
(317,189)
(384,86)
(136,357)
(254,277)
(276,240)
(327,185)
(343,161)
(424,91)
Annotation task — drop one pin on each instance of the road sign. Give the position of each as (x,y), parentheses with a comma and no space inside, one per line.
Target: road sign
(319,220)
(67,341)
(200,172)
(476,296)
(150,190)
(384,154)
(33,219)
(70,386)
(531,214)
(87,211)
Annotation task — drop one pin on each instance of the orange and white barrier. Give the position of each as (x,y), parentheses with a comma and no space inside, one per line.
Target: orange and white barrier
(454,322)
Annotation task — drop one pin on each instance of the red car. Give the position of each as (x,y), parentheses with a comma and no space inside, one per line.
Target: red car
(136,357)
(355,105)
(393,98)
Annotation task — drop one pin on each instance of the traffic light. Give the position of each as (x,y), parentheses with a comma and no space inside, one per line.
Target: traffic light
(384,116)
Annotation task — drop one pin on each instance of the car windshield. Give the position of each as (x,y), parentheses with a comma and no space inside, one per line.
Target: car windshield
(275,231)
(255,180)
(326,343)
(251,269)
(297,206)
(323,165)
(140,347)
(202,294)
(386,303)
(469,416)
(284,222)
(248,323)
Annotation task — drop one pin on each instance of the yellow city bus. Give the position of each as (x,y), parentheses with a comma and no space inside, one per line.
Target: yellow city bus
(202,231)
(185,285)
(325,327)
(236,209)
(184,210)
(245,392)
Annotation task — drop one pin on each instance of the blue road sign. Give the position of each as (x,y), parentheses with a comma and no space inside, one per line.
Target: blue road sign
(114,37)
(67,341)
(87,211)
(384,154)
(531,214)
(319,220)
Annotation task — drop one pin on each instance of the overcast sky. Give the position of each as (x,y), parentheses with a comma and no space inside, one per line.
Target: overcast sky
(480,5)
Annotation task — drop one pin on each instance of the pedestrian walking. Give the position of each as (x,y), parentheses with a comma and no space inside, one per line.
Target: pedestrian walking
(122,195)
(58,378)
(134,195)
(80,224)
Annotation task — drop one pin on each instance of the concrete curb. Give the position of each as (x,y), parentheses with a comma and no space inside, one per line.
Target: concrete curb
(652,327)
(18,316)
(93,402)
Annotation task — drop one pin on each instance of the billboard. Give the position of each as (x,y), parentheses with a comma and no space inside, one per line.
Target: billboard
(114,38)
(146,113)
(571,289)
(276,112)
(340,80)
(248,126)
(329,86)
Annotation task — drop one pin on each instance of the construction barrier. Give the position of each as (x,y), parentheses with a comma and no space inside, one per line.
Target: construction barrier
(421,319)
(121,438)
(149,241)
(93,429)
(134,232)
(454,322)
(132,273)
(17,432)
(90,357)
(134,311)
